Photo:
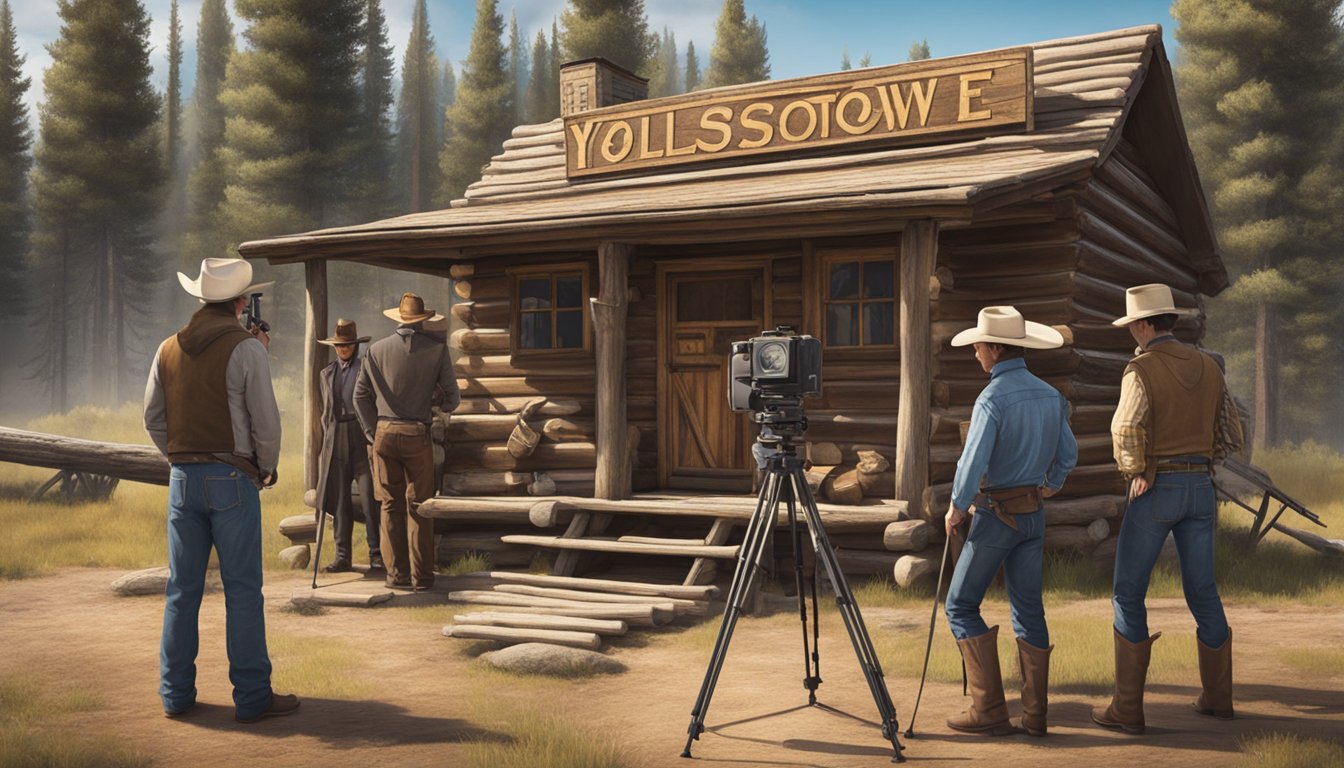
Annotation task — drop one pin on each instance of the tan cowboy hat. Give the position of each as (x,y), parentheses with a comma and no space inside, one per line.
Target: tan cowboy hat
(221,280)
(1146,301)
(1005,325)
(346,333)
(411,310)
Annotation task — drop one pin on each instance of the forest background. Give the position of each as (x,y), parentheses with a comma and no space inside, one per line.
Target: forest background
(132,146)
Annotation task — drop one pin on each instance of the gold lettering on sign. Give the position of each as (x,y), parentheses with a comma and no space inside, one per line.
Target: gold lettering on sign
(583,132)
(644,152)
(824,101)
(784,114)
(923,101)
(867,116)
(669,134)
(721,125)
(609,152)
(766,129)
(964,112)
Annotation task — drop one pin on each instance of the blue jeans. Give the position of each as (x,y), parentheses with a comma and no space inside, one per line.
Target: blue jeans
(1182,504)
(989,545)
(214,505)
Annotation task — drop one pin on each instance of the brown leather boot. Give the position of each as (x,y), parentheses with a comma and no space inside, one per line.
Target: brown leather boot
(988,713)
(1215,672)
(1035,665)
(1131,671)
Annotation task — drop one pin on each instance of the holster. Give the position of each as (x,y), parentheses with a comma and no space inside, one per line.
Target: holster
(1007,502)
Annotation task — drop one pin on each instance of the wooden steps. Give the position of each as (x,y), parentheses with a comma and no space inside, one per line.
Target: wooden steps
(623,547)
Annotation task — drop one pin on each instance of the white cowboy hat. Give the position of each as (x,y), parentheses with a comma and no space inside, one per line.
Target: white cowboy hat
(221,280)
(1005,325)
(1146,301)
(412,310)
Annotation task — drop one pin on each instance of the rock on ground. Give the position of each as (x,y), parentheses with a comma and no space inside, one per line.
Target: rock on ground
(296,557)
(547,659)
(150,581)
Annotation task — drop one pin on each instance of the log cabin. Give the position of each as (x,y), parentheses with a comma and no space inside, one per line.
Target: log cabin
(605,260)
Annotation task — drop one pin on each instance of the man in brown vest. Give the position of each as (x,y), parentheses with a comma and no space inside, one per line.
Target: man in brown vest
(1175,418)
(210,409)
(403,376)
(345,453)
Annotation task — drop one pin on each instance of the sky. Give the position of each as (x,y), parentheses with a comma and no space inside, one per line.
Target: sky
(805,37)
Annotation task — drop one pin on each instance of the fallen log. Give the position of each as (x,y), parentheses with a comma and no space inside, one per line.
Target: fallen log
(535,621)
(511,635)
(139,463)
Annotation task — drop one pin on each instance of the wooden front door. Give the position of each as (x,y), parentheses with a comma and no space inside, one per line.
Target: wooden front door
(704,445)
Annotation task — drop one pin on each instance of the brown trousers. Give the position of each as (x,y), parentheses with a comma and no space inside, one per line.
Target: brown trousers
(403,476)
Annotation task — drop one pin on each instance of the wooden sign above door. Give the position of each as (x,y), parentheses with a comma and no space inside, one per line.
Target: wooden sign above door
(919,101)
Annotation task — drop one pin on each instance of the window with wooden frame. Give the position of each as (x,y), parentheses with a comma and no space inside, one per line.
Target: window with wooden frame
(858,300)
(550,312)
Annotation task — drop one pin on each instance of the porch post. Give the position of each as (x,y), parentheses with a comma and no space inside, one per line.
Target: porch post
(919,252)
(314,360)
(609,313)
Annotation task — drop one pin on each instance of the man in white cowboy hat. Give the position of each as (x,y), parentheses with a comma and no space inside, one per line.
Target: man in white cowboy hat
(1019,450)
(345,452)
(210,409)
(402,378)
(1175,418)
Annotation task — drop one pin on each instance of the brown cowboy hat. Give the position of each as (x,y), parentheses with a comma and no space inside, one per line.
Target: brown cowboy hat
(346,333)
(411,310)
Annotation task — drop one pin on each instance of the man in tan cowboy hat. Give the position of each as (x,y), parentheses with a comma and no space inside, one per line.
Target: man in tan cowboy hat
(402,377)
(210,409)
(1175,418)
(1019,449)
(345,452)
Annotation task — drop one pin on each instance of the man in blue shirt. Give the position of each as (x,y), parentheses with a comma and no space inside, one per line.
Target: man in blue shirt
(1018,451)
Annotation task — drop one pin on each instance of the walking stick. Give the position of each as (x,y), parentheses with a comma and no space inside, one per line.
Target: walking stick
(933,619)
(317,556)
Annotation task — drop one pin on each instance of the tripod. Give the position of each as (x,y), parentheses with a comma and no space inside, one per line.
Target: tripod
(785,481)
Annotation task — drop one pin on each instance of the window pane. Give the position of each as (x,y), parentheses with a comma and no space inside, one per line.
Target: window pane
(534,331)
(878,324)
(569,329)
(877,280)
(534,293)
(842,325)
(845,280)
(569,291)
(710,300)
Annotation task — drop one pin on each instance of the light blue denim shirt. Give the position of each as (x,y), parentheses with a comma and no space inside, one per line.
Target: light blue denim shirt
(1019,436)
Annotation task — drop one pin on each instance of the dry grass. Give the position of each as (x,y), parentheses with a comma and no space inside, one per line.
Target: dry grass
(326,667)
(1280,750)
(1320,663)
(536,736)
(32,737)
(468,563)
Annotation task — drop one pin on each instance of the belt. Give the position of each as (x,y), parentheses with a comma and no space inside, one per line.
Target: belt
(395,420)
(1168,467)
(344,419)
(1006,502)
(233,460)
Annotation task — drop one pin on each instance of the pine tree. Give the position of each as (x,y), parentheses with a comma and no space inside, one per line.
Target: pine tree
(15,140)
(539,85)
(418,115)
(616,30)
(845,65)
(205,186)
(692,67)
(172,99)
(1260,91)
(482,117)
(372,167)
(919,50)
(448,85)
(866,61)
(665,69)
(557,57)
(518,69)
(97,185)
(740,54)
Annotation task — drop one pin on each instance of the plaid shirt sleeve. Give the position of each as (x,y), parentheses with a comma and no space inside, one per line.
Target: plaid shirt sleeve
(1227,437)
(1129,439)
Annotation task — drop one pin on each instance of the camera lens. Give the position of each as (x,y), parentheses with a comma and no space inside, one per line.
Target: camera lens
(772,360)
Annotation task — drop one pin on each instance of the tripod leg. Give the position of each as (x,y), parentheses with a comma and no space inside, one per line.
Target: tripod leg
(928,647)
(811,676)
(749,563)
(849,612)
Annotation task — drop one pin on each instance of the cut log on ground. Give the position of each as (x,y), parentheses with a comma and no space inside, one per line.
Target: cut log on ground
(843,488)
(299,529)
(912,569)
(907,536)
(534,621)
(513,636)
(817,475)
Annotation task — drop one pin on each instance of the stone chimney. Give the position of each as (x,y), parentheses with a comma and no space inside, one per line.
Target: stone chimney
(592,83)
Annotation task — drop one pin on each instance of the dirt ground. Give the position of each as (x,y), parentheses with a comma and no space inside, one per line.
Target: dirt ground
(70,628)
